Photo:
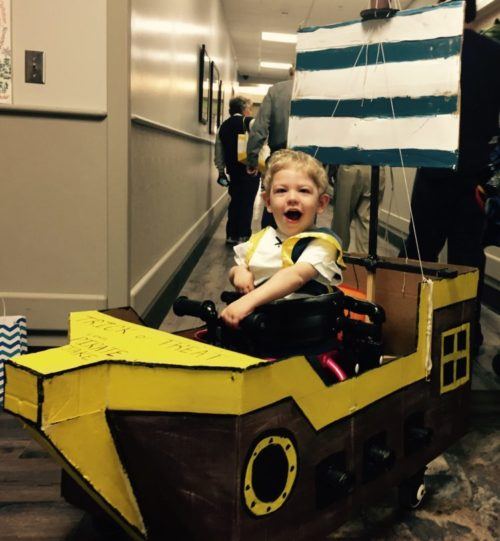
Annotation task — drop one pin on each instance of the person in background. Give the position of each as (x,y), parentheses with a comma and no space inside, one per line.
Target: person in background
(295,258)
(242,186)
(351,205)
(271,124)
(443,201)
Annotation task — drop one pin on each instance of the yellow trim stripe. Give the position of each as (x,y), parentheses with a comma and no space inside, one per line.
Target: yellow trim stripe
(451,291)
(86,443)
(46,443)
(290,242)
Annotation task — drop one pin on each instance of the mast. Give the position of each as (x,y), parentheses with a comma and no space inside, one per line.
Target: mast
(379,9)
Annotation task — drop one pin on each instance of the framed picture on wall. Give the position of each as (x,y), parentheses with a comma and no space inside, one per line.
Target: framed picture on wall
(214,98)
(220,105)
(204,87)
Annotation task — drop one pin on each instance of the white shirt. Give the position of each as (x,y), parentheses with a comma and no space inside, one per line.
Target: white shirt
(267,258)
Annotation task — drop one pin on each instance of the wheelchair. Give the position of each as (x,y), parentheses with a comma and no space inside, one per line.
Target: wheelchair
(319,327)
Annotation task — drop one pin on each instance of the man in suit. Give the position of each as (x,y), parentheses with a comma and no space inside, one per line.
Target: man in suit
(242,186)
(271,124)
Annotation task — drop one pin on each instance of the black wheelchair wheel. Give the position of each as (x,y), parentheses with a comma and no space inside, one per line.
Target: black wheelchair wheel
(412,491)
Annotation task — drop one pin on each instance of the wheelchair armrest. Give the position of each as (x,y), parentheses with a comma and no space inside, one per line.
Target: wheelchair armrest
(374,311)
(204,310)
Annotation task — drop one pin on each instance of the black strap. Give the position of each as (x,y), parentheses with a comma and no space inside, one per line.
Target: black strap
(302,244)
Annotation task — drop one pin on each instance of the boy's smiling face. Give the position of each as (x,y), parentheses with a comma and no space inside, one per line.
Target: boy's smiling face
(294,200)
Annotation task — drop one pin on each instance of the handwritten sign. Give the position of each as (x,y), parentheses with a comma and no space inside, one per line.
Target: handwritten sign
(97,338)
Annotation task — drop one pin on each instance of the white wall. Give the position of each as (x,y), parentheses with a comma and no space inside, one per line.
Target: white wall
(166,38)
(174,196)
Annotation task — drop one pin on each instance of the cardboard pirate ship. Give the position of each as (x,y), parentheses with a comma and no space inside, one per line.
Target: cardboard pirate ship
(174,437)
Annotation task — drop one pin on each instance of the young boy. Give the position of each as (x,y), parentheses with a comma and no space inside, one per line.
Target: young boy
(276,263)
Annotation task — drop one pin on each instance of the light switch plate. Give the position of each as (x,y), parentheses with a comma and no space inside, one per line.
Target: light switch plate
(33,62)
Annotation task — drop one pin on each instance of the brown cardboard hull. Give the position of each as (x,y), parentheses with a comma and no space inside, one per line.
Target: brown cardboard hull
(186,470)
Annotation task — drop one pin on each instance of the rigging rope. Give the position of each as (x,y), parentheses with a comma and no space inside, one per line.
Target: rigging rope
(352,76)
(427,282)
(412,221)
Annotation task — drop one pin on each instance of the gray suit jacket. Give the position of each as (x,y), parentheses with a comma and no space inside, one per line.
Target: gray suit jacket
(271,122)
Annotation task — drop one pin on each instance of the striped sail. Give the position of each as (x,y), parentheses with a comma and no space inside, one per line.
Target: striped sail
(381,92)
(13,342)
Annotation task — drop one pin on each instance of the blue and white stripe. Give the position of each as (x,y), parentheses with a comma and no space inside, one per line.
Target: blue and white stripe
(380,90)
(13,342)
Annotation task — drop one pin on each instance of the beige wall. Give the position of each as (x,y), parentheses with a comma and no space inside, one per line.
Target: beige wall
(100,211)
(174,197)
(73,37)
(53,182)
(54,169)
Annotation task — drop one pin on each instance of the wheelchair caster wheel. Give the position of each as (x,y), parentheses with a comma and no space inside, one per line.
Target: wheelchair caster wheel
(412,491)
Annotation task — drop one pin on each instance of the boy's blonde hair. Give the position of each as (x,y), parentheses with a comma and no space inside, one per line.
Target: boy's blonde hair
(294,159)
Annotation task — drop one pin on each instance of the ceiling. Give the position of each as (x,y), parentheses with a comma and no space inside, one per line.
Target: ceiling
(246,19)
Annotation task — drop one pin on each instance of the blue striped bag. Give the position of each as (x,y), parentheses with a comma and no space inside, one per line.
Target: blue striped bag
(13,342)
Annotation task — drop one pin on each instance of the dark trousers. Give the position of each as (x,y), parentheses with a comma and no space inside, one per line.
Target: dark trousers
(445,209)
(242,191)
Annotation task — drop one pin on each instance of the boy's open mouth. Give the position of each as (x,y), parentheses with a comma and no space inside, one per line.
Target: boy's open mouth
(293,215)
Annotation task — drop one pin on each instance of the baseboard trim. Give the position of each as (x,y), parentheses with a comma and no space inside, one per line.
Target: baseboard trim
(491,297)
(158,310)
(146,290)
(47,313)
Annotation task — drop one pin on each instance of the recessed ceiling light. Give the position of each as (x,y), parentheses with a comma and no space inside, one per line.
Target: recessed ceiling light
(257,90)
(279,37)
(276,65)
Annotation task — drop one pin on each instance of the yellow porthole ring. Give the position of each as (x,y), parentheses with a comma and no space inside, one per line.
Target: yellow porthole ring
(270,474)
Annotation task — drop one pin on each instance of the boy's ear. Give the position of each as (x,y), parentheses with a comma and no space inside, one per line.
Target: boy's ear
(265,198)
(324,199)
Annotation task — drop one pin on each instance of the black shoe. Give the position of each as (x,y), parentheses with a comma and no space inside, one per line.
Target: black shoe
(243,239)
(232,242)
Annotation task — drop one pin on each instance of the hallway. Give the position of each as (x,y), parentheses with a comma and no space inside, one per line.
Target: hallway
(110,188)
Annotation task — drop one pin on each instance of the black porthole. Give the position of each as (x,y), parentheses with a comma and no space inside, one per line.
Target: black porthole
(270,473)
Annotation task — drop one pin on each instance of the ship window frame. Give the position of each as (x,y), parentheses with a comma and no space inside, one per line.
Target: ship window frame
(455,356)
